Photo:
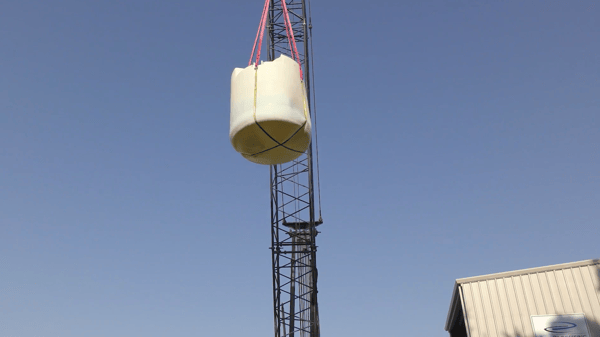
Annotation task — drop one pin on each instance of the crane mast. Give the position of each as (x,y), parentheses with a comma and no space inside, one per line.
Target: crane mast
(293,208)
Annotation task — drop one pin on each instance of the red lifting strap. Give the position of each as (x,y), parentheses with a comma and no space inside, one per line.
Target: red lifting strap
(288,30)
(260,32)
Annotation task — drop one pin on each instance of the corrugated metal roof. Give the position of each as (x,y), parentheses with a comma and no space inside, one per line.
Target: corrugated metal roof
(502,304)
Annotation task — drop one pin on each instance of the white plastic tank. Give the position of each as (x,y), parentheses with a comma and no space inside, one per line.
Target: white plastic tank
(269,119)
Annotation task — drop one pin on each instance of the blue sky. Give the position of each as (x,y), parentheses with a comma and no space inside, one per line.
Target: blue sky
(457,138)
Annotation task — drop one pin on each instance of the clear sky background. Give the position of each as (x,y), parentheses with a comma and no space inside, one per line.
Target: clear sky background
(457,138)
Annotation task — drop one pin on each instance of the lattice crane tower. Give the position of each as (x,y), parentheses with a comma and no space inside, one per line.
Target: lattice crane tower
(273,122)
(294,212)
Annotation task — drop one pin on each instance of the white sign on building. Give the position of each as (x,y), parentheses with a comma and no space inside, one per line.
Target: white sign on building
(571,325)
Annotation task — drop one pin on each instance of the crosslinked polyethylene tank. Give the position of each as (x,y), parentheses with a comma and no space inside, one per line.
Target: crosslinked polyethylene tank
(269,120)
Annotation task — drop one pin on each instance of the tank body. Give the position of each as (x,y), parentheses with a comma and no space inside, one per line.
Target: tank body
(269,116)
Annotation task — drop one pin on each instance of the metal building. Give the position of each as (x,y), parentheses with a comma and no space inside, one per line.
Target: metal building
(560,300)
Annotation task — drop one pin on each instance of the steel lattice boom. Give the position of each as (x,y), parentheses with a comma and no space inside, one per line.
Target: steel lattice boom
(293,222)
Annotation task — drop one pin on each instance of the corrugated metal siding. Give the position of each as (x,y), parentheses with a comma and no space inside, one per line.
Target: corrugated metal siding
(502,306)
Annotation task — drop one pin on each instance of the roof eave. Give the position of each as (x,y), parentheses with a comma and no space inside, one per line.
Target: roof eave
(527,271)
(454,308)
